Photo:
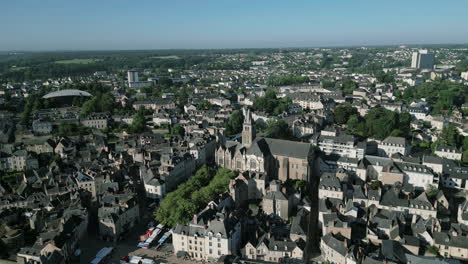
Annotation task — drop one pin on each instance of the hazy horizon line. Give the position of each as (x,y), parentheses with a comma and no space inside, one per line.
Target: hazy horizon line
(241,48)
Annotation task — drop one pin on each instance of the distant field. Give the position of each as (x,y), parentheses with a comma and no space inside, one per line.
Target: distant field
(14,68)
(166,57)
(77,61)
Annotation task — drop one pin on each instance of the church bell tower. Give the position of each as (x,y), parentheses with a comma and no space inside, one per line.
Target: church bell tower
(248,131)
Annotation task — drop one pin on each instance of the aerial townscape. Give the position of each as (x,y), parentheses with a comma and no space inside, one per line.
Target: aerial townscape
(335,155)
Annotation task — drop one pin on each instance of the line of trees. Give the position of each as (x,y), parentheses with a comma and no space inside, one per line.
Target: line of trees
(179,206)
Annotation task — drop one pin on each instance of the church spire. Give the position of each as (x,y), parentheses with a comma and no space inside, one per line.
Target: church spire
(248,131)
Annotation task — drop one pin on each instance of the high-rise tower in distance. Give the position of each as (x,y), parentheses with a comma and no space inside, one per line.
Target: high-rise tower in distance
(422,60)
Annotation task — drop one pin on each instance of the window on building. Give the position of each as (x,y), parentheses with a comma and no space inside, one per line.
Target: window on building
(253,164)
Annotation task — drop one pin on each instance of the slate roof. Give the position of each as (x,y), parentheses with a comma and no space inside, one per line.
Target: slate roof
(329,181)
(335,244)
(431,159)
(413,259)
(453,170)
(288,148)
(394,251)
(449,240)
(276,195)
(394,141)
(299,222)
(421,202)
(390,198)
(358,192)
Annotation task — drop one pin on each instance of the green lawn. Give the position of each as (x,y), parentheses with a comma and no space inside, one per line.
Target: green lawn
(77,61)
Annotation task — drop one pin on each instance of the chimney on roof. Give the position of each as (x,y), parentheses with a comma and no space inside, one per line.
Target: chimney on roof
(195,219)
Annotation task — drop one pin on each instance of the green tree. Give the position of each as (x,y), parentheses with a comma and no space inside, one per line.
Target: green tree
(380,122)
(277,128)
(356,125)
(451,137)
(433,250)
(343,112)
(431,191)
(328,84)
(179,206)
(71,129)
(139,122)
(443,95)
(270,104)
(178,130)
(286,80)
(204,105)
(348,85)
(385,77)
(234,124)
(100,103)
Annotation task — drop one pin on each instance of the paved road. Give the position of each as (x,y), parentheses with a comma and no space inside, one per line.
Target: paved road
(90,244)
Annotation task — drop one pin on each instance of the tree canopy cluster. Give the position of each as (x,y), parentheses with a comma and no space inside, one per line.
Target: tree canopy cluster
(385,77)
(286,80)
(451,137)
(343,112)
(66,129)
(102,102)
(378,122)
(270,104)
(177,130)
(443,95)
(234,124)
(139,122)
(348,86)
(204,105)
(33,103)
(277,128)
(179,206)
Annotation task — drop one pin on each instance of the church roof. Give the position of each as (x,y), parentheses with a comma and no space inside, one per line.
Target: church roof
(288,148)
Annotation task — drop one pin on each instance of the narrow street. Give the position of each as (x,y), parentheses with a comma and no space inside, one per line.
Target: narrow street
(313,241)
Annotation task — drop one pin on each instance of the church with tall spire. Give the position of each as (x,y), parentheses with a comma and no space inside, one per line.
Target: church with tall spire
(248,129)
(277,158)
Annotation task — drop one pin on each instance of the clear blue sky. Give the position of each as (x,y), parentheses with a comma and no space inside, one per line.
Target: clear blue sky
(154,24)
